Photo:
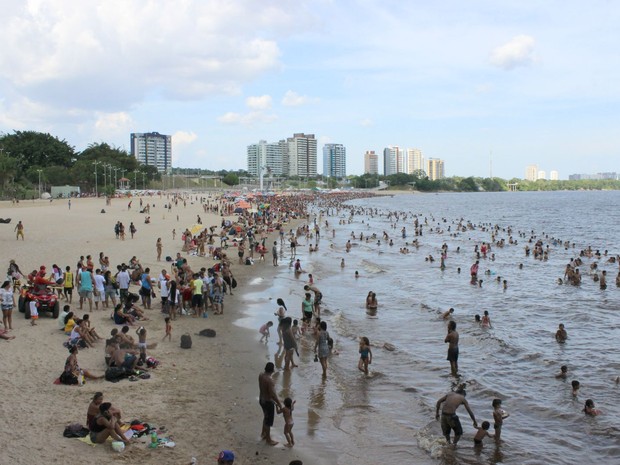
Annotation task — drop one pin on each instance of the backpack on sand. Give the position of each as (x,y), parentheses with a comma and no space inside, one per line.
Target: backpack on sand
(186,341)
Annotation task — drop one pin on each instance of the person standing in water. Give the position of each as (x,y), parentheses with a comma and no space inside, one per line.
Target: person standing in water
(453,348)
(449,419)
(268,399)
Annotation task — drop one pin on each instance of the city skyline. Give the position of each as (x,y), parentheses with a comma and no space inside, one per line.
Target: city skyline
(486,87)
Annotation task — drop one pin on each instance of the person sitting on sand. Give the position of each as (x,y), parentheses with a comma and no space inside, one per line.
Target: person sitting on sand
(78,333)
(123,358)
(125,341)
(88,328)
(93,410)
(134,263)
(131,308)
(72,369)
(120,317)
(105,425)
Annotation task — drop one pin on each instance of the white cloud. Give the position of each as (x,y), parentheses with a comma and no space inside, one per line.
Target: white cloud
(113,122)
(246,119)
(259,103)
(180,138)
(106,55)
(519,51)
(293,99)
(366,122)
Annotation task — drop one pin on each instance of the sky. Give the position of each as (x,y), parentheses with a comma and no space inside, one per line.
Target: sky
(483,85)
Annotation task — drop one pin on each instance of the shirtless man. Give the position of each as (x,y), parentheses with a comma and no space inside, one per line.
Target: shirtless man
(449,419)
(268,399)
(453,348)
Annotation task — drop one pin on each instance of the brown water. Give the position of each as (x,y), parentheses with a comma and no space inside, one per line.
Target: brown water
(389,417)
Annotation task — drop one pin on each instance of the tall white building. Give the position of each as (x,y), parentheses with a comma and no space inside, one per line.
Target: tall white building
(152,149)
(531,172)
(393,160)
(415,161)
(371,162)
(267,155)
(434,169)
(334,160)
(301,155)
(554,175)
(542,175)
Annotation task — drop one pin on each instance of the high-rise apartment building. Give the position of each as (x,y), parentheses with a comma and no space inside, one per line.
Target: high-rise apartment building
(434,169)
(531,172)
(415,161)
(542,174)
(334,160)
(371,162)
(554,175)
(265,155)
(393,160)
(301,155)
(152,149)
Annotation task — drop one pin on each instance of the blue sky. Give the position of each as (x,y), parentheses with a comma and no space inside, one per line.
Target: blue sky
(531,83)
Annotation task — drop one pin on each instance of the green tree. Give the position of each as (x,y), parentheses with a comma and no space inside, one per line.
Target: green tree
(468,185)
(30,148)
(231,179)
(8,170)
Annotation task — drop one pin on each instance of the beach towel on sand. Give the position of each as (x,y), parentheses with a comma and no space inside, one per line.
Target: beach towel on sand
(128,435)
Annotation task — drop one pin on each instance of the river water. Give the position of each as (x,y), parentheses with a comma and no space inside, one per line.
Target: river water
(389,416)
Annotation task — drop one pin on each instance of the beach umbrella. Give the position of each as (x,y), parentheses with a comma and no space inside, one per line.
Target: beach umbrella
(242,204)
(196,228)
(238,210)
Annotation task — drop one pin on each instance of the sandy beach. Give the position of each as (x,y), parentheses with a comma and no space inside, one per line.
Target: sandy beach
(206,397)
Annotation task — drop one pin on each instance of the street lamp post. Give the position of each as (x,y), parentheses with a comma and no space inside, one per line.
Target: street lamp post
(39,171)
(105,176)
(143,184)
(135,182)
(115,182)
(95,163)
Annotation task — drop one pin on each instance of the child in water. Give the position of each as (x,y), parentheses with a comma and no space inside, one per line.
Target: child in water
(483,431)
(498,417)
(589,408)
(486,320)
(264,330)
(287,413)
(365,355)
